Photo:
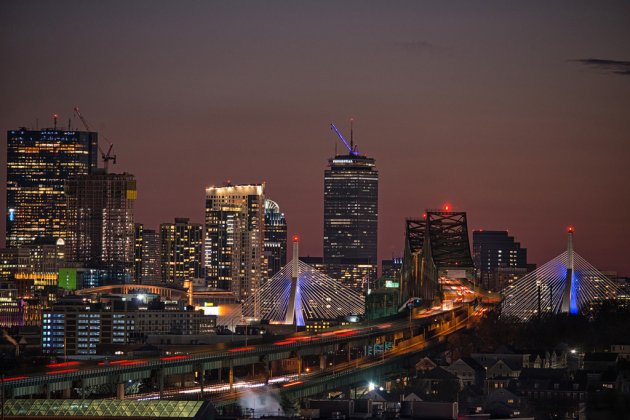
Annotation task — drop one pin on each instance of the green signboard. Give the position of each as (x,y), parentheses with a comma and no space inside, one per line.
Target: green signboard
(68,278)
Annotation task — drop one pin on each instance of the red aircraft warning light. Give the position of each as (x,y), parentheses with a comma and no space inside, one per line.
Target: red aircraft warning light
(296,238)
(446,207)
(570,229)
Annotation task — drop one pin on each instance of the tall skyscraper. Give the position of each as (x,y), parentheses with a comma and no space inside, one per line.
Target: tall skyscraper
(275,238)
(147,261)
(100,223)
(137,252)
(181,250)
(499,258)
(235,238)
(351,208)
(151,265)
(38,164)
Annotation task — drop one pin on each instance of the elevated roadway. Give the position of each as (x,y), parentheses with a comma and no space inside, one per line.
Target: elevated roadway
(66,376)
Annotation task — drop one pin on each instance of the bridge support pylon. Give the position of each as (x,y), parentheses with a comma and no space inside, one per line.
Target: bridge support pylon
(120,391)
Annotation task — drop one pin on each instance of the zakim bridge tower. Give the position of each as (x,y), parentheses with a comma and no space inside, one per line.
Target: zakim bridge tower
(566,284)
(299,293)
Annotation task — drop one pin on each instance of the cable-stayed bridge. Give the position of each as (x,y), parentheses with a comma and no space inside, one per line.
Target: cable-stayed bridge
(316,296)
(298,293)
(566,284)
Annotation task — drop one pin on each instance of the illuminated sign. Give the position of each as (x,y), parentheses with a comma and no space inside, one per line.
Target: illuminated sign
(11,215)
(68,278)
(393,284)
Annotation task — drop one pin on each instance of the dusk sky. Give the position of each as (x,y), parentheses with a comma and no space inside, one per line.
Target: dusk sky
(516,112)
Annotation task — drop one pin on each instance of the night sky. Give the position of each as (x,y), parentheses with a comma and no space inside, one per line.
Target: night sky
(516,112)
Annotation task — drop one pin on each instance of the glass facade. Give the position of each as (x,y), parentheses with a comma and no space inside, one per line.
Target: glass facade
(100,227)
(38,164)
(235,238)
(275,238)
(351,208)
(499,258)
(181,251)
(106,408)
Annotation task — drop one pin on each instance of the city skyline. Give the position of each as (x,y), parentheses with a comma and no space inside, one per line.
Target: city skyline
(530,137)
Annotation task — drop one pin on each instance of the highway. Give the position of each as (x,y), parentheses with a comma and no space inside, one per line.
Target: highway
(75,370)
(221,394)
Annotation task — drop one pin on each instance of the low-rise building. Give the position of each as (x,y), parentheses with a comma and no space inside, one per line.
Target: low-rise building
(468,370)
(75,326)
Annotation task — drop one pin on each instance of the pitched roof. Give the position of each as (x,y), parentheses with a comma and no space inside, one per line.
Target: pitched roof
(473,364)
(601,357)
(437,373)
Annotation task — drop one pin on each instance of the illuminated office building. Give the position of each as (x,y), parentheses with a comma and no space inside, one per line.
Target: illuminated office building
(350,208)
(499,258)
(351,219)
(181,251)
(75,327)
(137,252)
(147,262)
(38,164)
(275,238)
(31,271)
(355,273)
(391,268)
(235,238)
(100,223)
(150,266)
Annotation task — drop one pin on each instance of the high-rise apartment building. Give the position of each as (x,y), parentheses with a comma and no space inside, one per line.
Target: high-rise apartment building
(137,252)
(235,238)
(151,264)
(181,251)
(499,258)
(147,261)
(350,208)
(100,223)
(275,238)
(38,164)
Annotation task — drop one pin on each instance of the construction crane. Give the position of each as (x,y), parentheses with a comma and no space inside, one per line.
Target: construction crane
(351,147)
(105,156)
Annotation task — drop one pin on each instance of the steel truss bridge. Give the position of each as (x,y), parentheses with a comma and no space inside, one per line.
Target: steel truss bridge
(566,284)
(437,262)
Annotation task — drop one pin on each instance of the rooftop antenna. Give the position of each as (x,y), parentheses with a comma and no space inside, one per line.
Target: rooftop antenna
(351,134)
(345,143)
(55,116)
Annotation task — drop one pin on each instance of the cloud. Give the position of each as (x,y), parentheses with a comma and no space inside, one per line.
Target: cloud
(610,66)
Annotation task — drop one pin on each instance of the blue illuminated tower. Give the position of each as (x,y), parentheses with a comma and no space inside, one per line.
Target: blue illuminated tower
(569,303)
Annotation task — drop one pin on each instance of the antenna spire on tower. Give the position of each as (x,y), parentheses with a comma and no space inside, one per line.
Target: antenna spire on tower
(351,134)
